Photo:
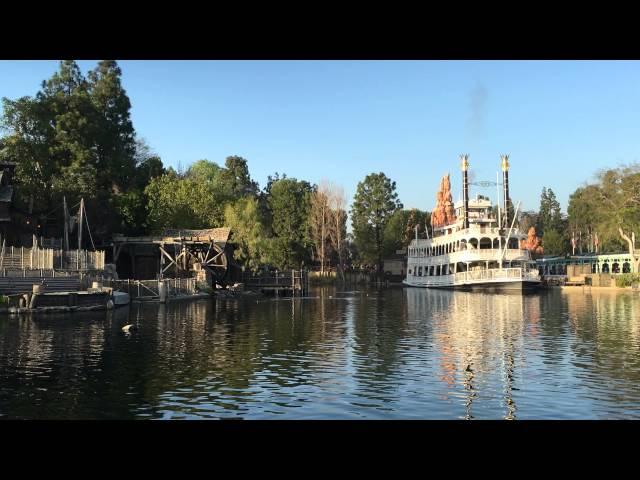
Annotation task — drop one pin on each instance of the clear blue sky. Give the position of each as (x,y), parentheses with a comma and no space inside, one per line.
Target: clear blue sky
(559,120)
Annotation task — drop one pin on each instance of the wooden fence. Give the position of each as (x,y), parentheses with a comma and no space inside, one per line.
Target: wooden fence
(20,258)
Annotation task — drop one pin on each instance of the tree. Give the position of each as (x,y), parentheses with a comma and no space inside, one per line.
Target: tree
(248,232)
(549,216)
(338,223)
(74,139)
(175,202)
(114,135)
(289,205)
(235,181)
(610,208)
(553,243)
(375,202)
(401,229)
(319,221)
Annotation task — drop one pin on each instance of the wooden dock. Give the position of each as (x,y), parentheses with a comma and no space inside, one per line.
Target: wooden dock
(292,282)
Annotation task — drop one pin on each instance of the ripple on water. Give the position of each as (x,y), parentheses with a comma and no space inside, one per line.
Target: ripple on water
(360,355)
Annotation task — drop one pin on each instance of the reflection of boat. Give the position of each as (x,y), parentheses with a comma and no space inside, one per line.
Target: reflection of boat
(471,247)
(476,362)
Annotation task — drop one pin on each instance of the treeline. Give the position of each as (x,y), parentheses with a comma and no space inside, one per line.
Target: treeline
(75,139)
(603,215)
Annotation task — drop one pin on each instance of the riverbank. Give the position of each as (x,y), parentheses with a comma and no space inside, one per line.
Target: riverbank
(576,288)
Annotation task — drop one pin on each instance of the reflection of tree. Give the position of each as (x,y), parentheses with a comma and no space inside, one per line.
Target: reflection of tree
(606,326)
(44,361)
(379,321)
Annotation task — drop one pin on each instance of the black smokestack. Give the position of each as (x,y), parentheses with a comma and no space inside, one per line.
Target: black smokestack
(465,189)
(505,187)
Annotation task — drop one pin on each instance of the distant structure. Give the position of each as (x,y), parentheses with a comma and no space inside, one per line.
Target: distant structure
(443,213)
(533,243)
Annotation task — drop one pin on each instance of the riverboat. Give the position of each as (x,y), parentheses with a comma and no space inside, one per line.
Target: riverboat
(471,246)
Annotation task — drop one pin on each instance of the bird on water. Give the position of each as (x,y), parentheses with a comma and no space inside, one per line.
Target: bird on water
(129,328)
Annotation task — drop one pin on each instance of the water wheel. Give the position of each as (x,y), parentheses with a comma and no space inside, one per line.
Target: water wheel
(216,262)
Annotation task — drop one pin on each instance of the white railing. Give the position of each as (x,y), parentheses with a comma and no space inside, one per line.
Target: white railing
(475,276)
(472,256)
(497,274)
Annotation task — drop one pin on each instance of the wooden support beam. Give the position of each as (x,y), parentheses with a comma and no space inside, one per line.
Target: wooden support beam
(172,261)
(116,251)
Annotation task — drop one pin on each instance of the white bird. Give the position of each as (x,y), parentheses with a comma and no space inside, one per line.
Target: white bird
(129,328)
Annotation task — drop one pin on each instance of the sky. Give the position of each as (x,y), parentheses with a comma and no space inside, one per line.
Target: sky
(560,121)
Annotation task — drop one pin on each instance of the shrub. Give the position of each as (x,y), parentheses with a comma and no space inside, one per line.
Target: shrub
(627,279)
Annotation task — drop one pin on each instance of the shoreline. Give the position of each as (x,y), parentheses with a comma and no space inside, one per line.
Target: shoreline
(576,288)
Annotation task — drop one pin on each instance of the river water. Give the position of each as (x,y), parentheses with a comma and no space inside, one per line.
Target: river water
(359,354)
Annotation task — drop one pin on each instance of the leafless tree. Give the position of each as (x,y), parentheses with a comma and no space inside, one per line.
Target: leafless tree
(319,221)
(338,222)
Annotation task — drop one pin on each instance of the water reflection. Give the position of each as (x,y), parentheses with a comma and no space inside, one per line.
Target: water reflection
(400,353)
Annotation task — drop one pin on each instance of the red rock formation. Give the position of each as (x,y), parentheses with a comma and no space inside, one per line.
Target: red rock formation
(532,243)
(443,213)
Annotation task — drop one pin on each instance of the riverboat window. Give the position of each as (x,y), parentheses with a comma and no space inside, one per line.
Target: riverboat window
(605,267)
(409,271)
(626,267)
(513,243)
(473,243)
(615,268)
(419,271)
(485,243)
(496,243)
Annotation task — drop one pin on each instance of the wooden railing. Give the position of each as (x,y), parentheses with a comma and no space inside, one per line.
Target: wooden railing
(20,258)
(149,289)
(296,280)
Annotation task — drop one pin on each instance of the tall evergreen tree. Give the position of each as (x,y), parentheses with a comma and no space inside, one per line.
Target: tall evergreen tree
(114,136)
(549,215)
(375,202)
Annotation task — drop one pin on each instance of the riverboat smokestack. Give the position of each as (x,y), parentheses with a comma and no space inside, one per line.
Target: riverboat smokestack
(465,189)
(505,187)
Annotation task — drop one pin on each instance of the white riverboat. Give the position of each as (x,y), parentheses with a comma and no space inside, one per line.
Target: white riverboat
(470,247)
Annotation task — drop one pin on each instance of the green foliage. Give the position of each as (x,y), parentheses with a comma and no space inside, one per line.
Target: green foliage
(400,229)
(553,243)
(549,216)
(627,279)
(179,203)
(289,203)
(75,139)
(235,180)
(375,202)
(612,202)
(249,235)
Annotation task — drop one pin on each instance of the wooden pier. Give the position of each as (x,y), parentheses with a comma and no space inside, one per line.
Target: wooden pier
(291,282)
